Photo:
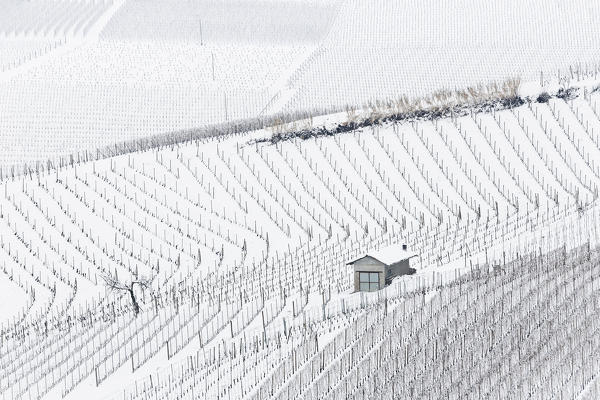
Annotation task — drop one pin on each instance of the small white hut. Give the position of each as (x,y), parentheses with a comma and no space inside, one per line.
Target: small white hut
(376,269)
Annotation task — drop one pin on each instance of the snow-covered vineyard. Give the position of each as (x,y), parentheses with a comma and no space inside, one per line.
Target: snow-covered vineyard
(189,190)
(242,247)
(81,74)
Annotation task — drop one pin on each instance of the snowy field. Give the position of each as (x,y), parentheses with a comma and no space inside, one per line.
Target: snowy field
(243,245)
(143,68)
(412,48)
(77,75)
(216,267)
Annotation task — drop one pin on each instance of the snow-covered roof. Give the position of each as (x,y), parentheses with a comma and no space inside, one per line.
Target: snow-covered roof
(388,255)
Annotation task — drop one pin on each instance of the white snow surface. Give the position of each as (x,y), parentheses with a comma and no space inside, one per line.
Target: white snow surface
(244,243)
(388,255)
(77,76)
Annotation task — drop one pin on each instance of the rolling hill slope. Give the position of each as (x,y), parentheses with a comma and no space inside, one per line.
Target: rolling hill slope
(103,72)
(243,242)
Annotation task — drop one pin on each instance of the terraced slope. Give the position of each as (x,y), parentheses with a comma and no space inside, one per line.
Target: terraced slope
(244,245)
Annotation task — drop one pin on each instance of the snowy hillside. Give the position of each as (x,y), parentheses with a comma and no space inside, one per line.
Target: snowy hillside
(415,47)
(184,186)
(78,75)
(235,251)
(148,68)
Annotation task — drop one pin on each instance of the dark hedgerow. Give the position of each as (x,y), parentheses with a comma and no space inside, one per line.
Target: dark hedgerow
(567,94)
(495,104)
(543,97)
(420,115)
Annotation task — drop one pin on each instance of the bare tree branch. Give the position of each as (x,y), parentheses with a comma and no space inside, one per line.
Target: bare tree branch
(113,284)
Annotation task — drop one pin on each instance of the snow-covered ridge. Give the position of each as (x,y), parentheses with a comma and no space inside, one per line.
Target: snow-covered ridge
(268,57)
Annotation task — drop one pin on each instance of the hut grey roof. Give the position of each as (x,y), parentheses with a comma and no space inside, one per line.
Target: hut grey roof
(388,255)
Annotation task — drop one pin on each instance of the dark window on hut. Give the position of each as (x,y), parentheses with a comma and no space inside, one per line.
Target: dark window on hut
(369,281)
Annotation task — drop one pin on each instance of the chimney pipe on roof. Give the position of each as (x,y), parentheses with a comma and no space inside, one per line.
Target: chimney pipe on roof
(404,247)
